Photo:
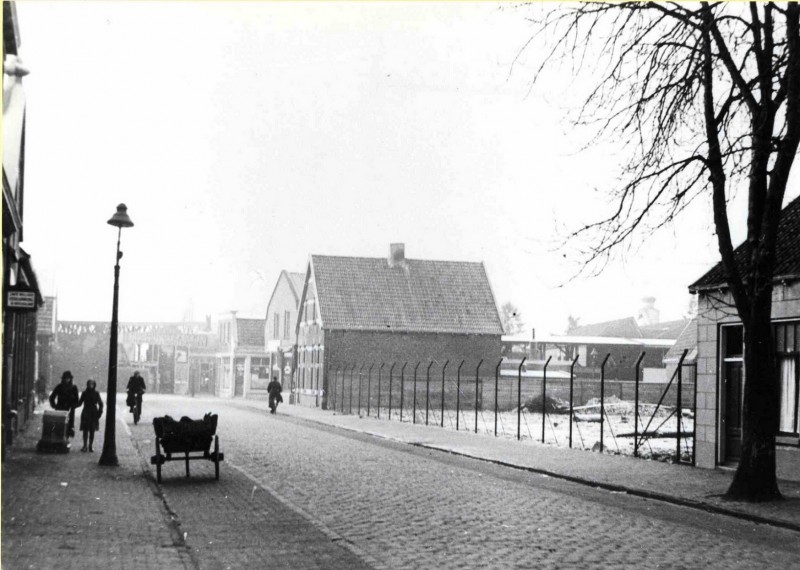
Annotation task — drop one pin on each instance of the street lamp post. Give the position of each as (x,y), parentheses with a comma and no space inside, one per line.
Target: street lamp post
(109,455)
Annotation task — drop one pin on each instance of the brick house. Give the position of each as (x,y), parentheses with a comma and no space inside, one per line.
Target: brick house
(281,323)
(372,310)
(720,350)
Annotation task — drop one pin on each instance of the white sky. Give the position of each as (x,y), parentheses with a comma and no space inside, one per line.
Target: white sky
(245,136)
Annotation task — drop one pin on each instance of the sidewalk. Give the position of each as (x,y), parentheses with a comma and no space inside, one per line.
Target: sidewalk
(64,511)
(678,484)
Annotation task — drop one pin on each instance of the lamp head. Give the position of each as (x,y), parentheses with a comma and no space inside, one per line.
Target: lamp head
(120,219)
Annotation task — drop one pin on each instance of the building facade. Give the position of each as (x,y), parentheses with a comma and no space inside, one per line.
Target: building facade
(357,310)
(720,362)
(173,358)
(280,331)
(21,296)
(242,363)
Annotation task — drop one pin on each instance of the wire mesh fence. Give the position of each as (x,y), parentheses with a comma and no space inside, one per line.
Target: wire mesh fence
(528,401)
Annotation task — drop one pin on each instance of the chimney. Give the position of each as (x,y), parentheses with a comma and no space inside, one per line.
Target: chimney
(397,254)
(648,315)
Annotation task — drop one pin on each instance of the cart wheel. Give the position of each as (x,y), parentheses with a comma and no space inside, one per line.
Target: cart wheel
(158,461)
(216,457)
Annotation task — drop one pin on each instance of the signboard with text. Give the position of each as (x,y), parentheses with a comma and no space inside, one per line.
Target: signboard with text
(21,299)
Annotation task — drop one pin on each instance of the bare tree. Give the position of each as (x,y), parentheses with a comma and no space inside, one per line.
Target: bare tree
(511,318)
(704,98)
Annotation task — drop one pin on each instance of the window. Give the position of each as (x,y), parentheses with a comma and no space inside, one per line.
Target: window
(287,319)
(788,379)
(733,344)
(276,326)
(786,349)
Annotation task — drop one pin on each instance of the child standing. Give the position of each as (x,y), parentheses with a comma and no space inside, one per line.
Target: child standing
(90,416)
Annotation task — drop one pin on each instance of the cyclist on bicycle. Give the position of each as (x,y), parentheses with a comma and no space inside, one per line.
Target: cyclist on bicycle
(136,387)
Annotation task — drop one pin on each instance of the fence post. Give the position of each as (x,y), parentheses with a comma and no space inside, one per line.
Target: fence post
(380,373)
(477,378)
(402,387)
(360,378)
(571,388)
(415,391)
(369,386)
(679,412)
(603,398)
(340,386)
(391,371)
(458,392)
(330,384)
(428,391)
(694,414)
(350,399)
(496,381)
(636,407)
(344,386)
(519,397)
(446,362)
(544,394)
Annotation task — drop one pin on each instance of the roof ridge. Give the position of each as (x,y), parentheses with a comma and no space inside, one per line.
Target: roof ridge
(384,259)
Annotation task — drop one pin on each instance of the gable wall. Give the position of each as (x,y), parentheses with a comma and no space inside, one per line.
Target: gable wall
(715,309)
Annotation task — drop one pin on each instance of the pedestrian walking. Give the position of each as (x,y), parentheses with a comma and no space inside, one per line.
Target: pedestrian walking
(64,397)
(41,390)
(274,389)
(90,415)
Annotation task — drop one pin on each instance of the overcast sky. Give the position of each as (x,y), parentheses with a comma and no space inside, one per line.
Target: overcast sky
(245,136)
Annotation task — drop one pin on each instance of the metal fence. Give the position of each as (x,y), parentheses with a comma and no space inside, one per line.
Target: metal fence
(654,420)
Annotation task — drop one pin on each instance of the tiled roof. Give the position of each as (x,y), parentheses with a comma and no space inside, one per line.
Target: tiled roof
(668,329)
(787,251)
(296,280)
(250,332)
(629,328)
(620,328)
(361,293)
(687,340)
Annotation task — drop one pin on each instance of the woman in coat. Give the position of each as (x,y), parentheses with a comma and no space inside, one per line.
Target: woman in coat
(90,416)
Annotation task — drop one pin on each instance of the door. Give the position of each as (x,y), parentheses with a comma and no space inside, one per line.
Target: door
(733,383)
(238,375)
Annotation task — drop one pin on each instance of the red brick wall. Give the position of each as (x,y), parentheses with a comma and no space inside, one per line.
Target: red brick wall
(350,347)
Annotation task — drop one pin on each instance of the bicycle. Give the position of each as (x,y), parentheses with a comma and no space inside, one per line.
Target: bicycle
(136,407)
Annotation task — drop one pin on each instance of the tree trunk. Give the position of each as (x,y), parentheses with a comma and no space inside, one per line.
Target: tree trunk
(755,479)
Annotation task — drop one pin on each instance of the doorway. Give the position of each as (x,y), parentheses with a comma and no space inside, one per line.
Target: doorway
(732,384)
(733,381)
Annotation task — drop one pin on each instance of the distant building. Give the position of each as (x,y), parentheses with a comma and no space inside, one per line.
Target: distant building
(623,339)
(359,310)
(687,341)
(173,358)
(242,360)
(720,351)
(46,320)
(281,325)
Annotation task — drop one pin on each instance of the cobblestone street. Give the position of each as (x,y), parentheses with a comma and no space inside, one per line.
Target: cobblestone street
(398,506)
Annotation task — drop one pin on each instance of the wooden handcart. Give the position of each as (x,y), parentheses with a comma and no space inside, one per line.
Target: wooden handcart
(186,440)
